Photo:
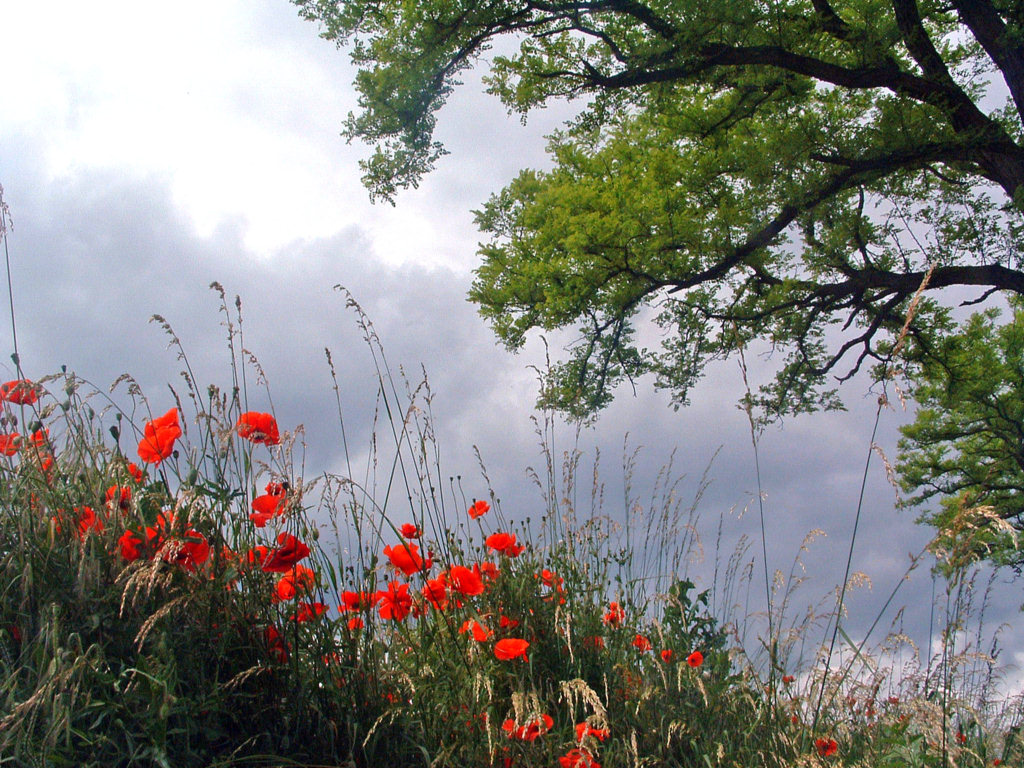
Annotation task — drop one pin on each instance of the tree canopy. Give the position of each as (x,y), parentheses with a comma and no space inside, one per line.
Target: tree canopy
(966,444)
(791,173)
(740,170)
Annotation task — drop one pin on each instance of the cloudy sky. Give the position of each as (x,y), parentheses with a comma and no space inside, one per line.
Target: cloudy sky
(148,150)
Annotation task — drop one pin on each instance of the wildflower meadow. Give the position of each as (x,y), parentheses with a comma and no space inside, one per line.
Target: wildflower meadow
(175,594)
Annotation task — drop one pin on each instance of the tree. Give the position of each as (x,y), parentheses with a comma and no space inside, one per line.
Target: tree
(783,170)
(789,173)
(966,444)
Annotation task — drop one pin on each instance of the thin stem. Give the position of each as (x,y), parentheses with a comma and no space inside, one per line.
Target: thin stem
(849,561)
(5,218)
(764,538)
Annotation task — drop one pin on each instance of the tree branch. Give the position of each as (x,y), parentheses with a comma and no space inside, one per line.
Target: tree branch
(989,30)
(831,21)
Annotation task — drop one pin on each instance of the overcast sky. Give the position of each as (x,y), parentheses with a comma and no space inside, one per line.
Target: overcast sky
(148,150)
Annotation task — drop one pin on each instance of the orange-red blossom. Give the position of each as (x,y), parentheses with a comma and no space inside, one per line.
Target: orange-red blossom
(578,757)
(826,747)
(19,392)
(479,631)
(505,544)
(288,552)
(530,731)
(270,504)
(615,614)
(511,648)
(407,559)
(159,436)
(583,730)
(258,428)
(298,580)
(395,603)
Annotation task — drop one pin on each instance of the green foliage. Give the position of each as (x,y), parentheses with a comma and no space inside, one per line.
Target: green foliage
(966,444)
(739,172)
(688,618)
(114,661)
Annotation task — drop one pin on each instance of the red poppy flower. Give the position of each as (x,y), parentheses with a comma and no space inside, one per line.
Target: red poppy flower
(506,623)
(511,648)
(480,632)
(826,747)
(479,508)
(135,472)
(530,731)
(695,659)
(298,580)
(615,614)
(578,758)
(159,436)
(258,428)
(356,622)
(594,641)
(130,545)
(119,496)
(787,679)
(356,601)
(465,581)
(189,548)
(41,442)
(189,552)
(667,654)
(289,551)
(550,579)
(583,730)
(641,643)
(410,531)
(19,392)
(256,555)
(155,534)
(9,444)
(558,594)
(86,521)
(270,504)
(309,611)
(487,570)
(406,558)
(435,592)
(395,603)
(504,543)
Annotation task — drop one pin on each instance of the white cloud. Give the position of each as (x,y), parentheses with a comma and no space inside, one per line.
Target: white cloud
(239,105)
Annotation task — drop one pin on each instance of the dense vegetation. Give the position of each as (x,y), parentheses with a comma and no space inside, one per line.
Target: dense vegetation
(172,594)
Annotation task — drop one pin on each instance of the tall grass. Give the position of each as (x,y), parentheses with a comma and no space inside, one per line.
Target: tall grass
(150,630)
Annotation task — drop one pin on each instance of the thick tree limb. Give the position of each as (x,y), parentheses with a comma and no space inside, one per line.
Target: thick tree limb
(986,25)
